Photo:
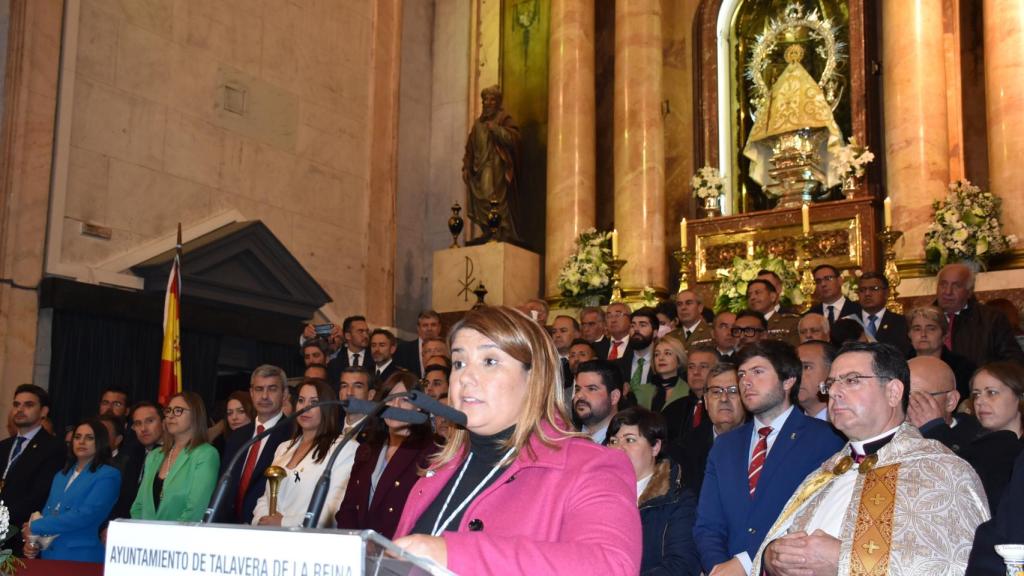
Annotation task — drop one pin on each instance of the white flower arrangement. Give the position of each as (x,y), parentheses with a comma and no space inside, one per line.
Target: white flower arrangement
(9,563)
(707,183)
(732,284)
(585,277)
(851,160)
(966,227)
(648,297)
(851,282)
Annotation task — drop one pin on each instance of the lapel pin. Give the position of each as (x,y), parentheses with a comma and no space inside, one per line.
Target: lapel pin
(792,436)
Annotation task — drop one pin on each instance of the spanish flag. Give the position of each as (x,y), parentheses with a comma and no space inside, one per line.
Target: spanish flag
(170,359)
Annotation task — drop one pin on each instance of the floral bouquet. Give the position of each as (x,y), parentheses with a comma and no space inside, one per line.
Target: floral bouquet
(732,284)
(851,282)
(9,563)
(850,160)
(585,278)
(966,227)
(707,183)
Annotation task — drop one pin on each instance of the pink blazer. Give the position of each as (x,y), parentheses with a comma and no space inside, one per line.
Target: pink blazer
(570,510)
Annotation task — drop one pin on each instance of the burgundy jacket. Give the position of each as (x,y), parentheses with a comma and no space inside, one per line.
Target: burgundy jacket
(392,490)
(567,509)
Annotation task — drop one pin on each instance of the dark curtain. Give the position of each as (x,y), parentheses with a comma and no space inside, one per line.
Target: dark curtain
(288,358)
(90,352)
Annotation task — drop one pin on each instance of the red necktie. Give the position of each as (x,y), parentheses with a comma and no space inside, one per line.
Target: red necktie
(697,411)
(757,462)
(948,340)
(250,467)
(857,457)
(614,355)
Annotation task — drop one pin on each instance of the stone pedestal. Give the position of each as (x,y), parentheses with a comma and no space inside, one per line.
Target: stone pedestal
(510,274)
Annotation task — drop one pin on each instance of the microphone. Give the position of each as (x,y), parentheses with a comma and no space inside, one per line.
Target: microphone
(353,405)
(425,402)
(323,484)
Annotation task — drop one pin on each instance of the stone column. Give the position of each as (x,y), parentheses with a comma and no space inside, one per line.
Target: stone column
(571,201)
(916,119)
(639,145)
(1004,103)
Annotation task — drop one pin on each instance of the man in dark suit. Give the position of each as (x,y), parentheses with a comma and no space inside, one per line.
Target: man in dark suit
(881,324)
(30,459)
(269,390)
(383,345)
(594,330)
(146,420)
(933,402)
(688,415)
(753,470)
(410,352)
(977,332)
(725,412)
(831,303)
(356,353)
(636,365)
(1006,525)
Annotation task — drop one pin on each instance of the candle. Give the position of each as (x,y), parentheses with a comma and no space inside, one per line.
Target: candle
(805,212)
(682,234)
(615,244)
(888,211)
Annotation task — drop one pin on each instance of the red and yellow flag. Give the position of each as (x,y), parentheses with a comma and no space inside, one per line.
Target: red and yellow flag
(170,359)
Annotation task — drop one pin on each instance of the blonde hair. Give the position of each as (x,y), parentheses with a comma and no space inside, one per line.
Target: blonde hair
(526,341)
(677,347)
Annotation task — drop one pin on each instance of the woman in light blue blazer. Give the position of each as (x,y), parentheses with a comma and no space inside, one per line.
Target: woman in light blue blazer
(81,497)
(178,479)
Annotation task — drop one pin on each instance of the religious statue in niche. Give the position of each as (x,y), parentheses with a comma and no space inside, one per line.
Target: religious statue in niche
(490,168)
(795,135)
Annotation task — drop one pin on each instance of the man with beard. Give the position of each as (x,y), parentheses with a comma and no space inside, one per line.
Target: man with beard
(596,396)
(636,364)
(490,164)
(752,471)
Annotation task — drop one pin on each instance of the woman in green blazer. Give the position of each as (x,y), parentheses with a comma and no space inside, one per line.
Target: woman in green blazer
(179,478)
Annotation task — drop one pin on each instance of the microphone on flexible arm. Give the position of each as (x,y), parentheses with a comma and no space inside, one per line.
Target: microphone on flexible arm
(353,405)
(425,402)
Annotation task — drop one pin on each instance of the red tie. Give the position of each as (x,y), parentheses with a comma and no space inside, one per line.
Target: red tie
(948,340)
(697,411)
(614,355)
(250,467)
(757,462)
(857,456)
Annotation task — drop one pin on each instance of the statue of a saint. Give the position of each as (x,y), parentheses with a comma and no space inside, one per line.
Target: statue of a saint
(490,165)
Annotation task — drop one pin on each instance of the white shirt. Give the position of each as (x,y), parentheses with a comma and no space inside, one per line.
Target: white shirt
(296,490)
(597,435)
(837,306)
(689,330)
(361,361)
(772,312)
(823,414)
(641,485)
(266,426)
(619,345)
(382,367)
(866,316)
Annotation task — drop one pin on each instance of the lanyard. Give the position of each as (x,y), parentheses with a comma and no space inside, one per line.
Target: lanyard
(439,529)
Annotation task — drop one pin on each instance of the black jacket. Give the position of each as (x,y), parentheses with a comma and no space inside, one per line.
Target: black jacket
(28,480)
(257,485)
(667,514)
(1006,525)
(983,335)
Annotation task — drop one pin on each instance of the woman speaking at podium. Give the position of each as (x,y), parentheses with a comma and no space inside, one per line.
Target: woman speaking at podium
(517,491)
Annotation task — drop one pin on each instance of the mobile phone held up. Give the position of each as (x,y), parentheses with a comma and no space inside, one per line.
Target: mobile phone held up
(323,330)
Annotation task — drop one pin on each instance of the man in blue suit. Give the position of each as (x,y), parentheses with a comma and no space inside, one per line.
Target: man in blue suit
(753,470)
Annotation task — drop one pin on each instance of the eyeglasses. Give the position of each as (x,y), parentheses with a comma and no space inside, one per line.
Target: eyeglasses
(719,393)
(849,381)
(866,289)
(748,331)
(176,410)
(822,279)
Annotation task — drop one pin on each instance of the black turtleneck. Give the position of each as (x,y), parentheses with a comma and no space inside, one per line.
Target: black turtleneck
(487,451)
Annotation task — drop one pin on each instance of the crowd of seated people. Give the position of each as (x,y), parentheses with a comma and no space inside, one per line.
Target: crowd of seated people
(658,440)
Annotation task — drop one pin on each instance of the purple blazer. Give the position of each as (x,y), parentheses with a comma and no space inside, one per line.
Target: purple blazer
(392,489)
(567,509)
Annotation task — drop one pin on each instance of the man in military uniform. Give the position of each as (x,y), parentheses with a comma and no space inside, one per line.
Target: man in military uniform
(764,298)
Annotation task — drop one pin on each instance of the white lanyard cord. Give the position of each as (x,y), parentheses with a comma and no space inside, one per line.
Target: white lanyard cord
(439,529)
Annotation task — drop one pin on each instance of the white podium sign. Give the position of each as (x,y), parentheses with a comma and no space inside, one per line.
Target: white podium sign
(136,548)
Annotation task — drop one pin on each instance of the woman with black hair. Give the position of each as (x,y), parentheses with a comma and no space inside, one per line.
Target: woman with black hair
(81,497)
(303,459)
(386,466)
(667,510)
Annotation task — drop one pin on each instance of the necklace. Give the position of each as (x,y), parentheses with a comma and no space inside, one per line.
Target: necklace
(438,527)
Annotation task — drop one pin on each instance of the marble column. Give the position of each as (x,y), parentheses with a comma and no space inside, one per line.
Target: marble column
(916,117)
(639,145)
(571,200)
(1004,103)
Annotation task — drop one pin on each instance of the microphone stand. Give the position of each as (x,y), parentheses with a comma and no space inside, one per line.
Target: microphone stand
(353,405)
(323,485)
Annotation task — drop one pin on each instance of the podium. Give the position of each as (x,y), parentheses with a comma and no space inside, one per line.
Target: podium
(141,548)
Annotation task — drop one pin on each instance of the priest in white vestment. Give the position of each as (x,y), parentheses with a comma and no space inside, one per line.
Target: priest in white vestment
(890,502)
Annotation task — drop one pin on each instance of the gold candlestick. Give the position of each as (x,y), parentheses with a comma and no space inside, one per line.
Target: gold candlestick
(888,236)
(683,259)
(616,266)
(274,475)
(804,266)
